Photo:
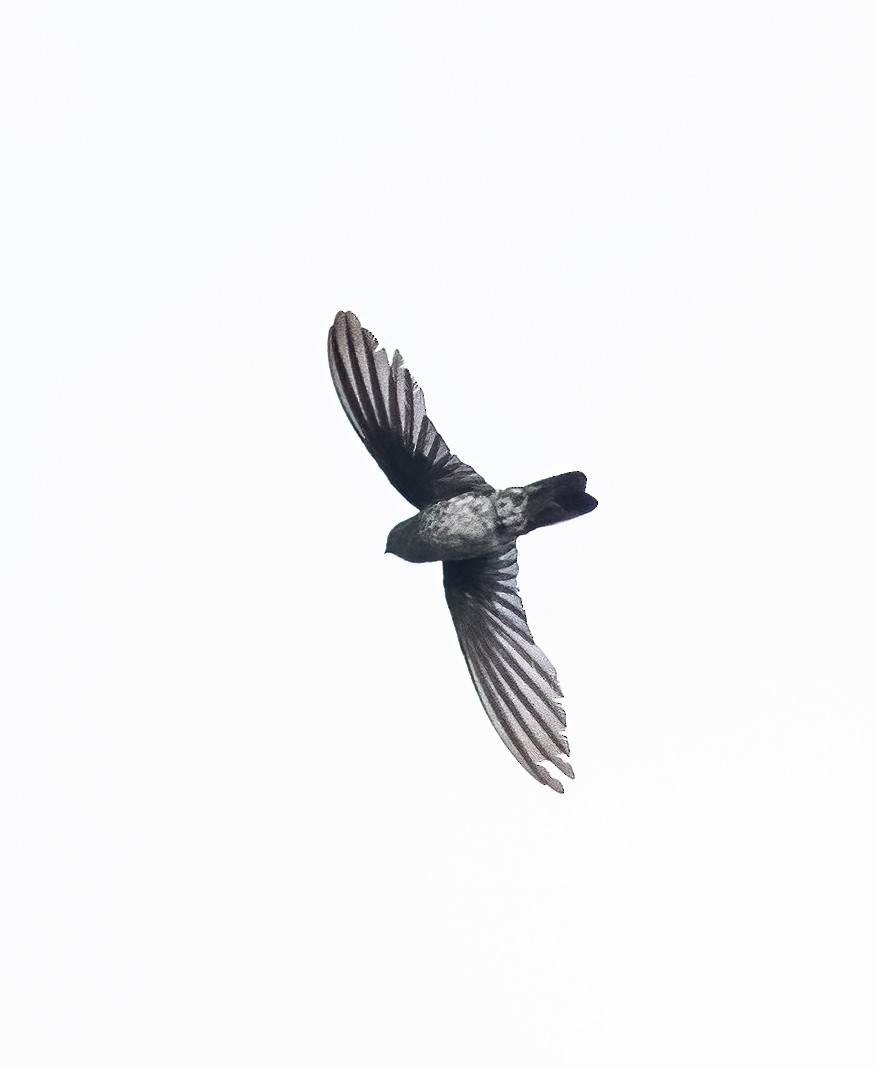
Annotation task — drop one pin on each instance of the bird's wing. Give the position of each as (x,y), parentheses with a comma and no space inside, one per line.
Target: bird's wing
(516,682)
(387,410)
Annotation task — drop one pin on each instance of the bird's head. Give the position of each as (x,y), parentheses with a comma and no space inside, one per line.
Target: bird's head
(399,539)
(393,542)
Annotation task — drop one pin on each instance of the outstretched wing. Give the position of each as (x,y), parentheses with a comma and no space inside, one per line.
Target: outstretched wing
(516,682)
(387,410)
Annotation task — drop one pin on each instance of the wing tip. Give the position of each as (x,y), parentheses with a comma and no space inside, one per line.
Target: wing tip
(564,765)
(347,323)
(541,773)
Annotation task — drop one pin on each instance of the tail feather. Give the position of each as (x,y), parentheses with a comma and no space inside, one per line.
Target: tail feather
(562,497)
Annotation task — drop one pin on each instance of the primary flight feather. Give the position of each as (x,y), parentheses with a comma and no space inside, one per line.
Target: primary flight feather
(472,528)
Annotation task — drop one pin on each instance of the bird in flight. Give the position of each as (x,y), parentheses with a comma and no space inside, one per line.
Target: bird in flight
(472,529)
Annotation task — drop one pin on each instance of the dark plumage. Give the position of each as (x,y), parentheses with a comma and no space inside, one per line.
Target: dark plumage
(471,527)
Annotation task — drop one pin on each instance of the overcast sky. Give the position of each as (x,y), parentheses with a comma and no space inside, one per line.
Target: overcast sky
(251,810)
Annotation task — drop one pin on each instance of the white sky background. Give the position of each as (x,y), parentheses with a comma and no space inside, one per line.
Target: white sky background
(251,811)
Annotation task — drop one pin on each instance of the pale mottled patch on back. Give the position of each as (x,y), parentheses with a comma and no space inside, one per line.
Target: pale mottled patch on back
(511,507)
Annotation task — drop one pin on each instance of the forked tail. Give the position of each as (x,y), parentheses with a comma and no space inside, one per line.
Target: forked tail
(562,497)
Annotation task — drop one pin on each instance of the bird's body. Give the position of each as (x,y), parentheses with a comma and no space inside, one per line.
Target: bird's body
(461,527)
(472,528)
(483,521)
